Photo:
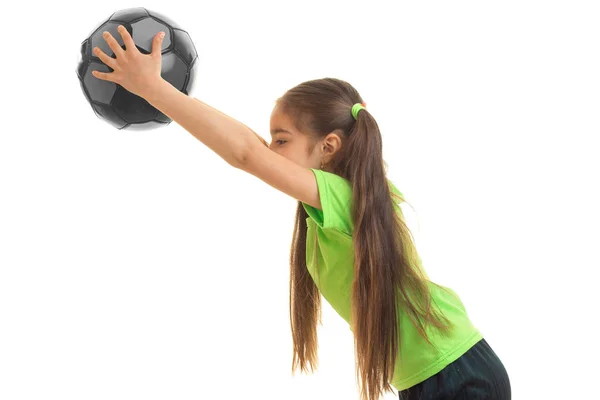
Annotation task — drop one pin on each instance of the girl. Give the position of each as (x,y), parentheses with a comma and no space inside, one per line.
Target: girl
(350,243)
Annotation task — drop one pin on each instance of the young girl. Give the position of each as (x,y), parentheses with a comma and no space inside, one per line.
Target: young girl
(350,243)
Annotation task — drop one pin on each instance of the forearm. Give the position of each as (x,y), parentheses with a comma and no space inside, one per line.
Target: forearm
(227,137)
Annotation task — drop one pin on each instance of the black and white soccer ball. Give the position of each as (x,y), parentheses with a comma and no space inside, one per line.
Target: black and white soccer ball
(115,104)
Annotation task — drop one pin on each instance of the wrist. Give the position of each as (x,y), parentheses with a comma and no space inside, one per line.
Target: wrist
(156,89)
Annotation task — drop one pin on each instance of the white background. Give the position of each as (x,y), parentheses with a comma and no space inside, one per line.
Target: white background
(142,266)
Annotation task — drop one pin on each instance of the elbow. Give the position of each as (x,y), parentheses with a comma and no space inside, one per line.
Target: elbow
(240,158)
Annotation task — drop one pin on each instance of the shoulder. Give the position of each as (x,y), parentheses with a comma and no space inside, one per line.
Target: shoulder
(335,197)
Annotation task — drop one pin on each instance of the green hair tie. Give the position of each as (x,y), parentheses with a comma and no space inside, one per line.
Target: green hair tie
(356,108)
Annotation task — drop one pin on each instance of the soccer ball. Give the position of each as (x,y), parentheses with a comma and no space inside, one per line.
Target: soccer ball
(115,104)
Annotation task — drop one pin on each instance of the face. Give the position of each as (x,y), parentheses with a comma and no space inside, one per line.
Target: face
(294,145)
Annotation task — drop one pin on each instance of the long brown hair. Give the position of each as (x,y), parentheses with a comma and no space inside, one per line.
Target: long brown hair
(386,279)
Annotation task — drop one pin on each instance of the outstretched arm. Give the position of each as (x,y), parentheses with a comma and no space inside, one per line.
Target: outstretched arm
(262,140)
(230,139)
(224,135)
(235,143)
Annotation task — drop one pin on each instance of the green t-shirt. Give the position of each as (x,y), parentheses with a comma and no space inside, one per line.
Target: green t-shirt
(329,242)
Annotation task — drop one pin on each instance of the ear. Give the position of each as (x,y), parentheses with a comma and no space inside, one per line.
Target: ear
(331,145)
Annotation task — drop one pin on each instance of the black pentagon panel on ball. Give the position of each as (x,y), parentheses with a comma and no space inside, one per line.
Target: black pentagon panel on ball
(163,18)
(144,32)
(82,66)
(131,107)
(162,118)
(100,91)
(129,15)
(184,46)
(107,113)
(174,70)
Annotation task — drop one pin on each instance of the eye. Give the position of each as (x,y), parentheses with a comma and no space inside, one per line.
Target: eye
(283,141)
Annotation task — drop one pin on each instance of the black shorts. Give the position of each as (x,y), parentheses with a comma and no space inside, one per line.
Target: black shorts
(476,375)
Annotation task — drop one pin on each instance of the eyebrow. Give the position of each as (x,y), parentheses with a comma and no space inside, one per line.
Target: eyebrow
(279,130)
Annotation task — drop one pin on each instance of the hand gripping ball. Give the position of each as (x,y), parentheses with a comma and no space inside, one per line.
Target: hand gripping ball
(115,104)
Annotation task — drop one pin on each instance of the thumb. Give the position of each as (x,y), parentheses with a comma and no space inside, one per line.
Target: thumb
(157,44)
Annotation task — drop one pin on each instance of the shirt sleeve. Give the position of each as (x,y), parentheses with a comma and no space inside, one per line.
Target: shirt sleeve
(335,194)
